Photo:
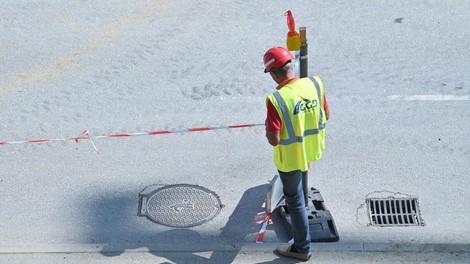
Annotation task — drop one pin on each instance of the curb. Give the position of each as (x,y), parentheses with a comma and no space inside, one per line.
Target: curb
(106,248)
(372,247)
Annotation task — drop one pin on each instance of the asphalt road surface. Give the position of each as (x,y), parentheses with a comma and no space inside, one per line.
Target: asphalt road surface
(396,75)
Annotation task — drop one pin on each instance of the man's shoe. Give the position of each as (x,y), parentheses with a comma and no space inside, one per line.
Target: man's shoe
(289,251)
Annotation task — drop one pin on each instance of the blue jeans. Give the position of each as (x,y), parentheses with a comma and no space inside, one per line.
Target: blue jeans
(294,194)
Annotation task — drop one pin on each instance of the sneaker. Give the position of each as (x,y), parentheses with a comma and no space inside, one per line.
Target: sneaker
(289,251)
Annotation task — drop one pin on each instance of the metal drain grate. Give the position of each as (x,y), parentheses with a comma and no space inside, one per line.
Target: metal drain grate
(180,205)
(394,212)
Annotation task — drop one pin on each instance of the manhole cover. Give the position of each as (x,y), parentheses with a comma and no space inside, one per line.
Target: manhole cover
(394,211)
(180,205)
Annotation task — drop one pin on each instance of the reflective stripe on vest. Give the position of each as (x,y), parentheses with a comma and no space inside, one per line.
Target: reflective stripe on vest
(290,128)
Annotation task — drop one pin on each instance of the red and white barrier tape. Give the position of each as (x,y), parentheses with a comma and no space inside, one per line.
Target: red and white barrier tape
(262,231)
(86,134)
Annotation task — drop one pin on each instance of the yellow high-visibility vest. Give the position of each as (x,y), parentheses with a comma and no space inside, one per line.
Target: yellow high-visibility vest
(300,106)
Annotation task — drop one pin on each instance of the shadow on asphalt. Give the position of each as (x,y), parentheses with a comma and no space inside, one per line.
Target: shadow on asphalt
(115,224)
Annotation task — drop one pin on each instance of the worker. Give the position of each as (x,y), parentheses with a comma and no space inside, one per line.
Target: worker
(295,126)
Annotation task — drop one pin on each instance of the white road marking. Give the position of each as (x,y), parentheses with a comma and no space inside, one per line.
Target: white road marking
(430,97)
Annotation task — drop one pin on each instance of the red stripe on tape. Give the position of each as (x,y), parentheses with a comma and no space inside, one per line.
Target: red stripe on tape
(240,126)
(159,132)
(118,135)
(198,129)
(37,141)
(3,143)
(260,237)
(266,219)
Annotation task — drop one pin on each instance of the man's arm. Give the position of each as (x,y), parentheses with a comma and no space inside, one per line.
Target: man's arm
(273,124)
(326,107)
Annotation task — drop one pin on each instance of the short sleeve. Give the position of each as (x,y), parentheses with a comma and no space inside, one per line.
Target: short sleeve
(273,120)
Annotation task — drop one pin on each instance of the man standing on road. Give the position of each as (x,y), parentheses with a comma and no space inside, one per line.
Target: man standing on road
(295,126)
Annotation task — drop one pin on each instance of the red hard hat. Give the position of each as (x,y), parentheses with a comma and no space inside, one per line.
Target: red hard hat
(276,57)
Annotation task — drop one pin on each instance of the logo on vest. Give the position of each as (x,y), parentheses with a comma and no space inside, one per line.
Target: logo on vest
(305,105)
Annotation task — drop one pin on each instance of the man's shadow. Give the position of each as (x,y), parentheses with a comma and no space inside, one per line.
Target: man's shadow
(115,223)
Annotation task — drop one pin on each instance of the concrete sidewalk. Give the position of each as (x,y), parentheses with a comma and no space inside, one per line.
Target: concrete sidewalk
(263,254)
(110,249)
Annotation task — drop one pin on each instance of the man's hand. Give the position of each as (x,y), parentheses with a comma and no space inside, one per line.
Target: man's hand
(273,138)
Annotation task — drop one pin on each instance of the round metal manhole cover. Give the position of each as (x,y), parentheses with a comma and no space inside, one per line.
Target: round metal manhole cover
(180,205)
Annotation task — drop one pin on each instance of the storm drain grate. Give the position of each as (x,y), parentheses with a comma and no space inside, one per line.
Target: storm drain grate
(180,205)
(394,212)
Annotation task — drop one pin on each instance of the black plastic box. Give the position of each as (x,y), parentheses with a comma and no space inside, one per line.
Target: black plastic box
(321,223)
